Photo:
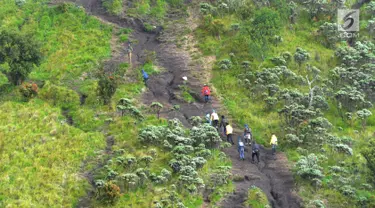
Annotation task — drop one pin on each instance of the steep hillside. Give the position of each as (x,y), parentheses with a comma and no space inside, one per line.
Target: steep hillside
(79,127)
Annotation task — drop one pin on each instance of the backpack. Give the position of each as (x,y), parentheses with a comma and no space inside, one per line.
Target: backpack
(206,91)
(247,129)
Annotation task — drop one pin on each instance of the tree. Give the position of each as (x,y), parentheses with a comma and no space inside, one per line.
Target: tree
(308,167)
(363,115)
(368,153)
(19,53)
(330,34)
(371,8)
(316,7)
(301,56)
(126,107)
(106,88)
(245,65)
(156,107)
(315,73)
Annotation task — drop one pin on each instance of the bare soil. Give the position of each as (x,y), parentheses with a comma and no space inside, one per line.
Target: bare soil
(272,174)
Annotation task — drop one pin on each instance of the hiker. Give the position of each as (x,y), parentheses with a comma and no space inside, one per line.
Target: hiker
(223,122)
(129,51)
(247,134)
(214,119)
(229,131)
(206,93)
(241,148)
(208,118)
(145,76)
(255,151)
(273,142)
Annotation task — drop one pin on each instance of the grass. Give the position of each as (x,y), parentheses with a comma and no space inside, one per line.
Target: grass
(256,198)
(72,42)
(41,156)
(114,7)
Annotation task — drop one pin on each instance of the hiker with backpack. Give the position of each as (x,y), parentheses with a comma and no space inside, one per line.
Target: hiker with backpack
(223,123)
(273,143)
(206,92)
(208,118)
(214,119)
(229,132)
(241,148)
(247,134)
(255,151)
(145,76)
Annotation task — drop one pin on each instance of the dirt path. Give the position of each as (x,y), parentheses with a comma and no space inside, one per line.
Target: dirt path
(272,176)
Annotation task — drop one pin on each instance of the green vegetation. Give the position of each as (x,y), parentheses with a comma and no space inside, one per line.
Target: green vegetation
(285,68)
(114,7)
(41,156)
(256,198)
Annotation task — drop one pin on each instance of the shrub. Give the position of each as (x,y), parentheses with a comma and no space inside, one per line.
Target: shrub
(147,160)
(106,88)
(61,96)
(29,90)
(205,134)
(20,53)
(307,167)
(256,198)
(316,204)
(368,153)
(195,120)
(344,149)
(293,139)
(110,192)
(301,56)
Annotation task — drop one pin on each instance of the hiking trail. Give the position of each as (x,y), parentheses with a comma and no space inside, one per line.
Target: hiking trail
(272,176)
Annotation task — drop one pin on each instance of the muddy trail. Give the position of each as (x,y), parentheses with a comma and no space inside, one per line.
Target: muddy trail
(272,175)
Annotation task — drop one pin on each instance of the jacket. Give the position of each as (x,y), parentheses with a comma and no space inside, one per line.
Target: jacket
(223,122)
(229,129)
(214,117)
(144,74)
(255,148)
(241,146)
(273,140)
(206,90)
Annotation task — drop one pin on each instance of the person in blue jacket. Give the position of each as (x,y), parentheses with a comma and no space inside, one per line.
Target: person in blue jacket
(145,76)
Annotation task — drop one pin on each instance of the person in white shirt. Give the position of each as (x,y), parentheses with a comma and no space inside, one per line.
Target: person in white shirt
(214,119)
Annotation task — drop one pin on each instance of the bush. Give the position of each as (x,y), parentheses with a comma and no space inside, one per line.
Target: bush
(60,96)
(256,198)
(29,90)
(20,53)
(106,88)
(109,193)
(344,149)
(307,167)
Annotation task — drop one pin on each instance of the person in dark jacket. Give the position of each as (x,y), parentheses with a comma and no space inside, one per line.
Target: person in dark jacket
(222,125)
(255,151)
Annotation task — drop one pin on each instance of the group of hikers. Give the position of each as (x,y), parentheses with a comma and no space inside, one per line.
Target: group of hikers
(224,127)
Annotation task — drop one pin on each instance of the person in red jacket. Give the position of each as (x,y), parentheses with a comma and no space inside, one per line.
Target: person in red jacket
(206,92)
